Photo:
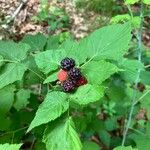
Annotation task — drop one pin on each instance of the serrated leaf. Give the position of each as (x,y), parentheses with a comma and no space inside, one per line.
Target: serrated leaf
(52,42)
(87,94)
(130,69)
(10,146)
(36,42)
(75,50)
(13,51)
(124,148)
(66,139)
(6,99)
(22,97)
(49,60)
(52,107)
(131,2)
(11,73)
(147,2)
(51,78)
(98,71)
(101,46)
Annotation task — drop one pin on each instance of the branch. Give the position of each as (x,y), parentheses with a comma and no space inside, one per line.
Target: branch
(23,2)
(127,126)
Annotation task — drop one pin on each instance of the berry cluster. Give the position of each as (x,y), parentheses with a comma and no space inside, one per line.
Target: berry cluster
(70,76)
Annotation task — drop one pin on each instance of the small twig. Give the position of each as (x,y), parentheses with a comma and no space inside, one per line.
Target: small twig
(23,2)
(147,66)
(142,97)
(13,132)
(128,123)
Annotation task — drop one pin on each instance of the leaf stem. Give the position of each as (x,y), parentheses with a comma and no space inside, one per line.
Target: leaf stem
(88,61)
(142,97)
(7,60)
(36,73)
(13,132)
(128,123)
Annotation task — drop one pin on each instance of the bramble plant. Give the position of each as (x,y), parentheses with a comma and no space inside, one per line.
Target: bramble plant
(100,76)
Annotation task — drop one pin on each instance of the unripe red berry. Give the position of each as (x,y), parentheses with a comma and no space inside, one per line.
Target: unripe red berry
(62,75)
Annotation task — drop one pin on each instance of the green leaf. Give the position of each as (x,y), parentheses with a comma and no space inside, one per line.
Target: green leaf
(87,94)
(98,71)
(75,50)
(124,148)
(52,107)
(51,78)
(105,137)
(145,77)
(131,2)
(141,140)
(89,145)
(109,42)
(147,2)
(6,98)
(52,42)
(66,139)
(10,146)
(1,60)
(136,21)
(130,69)
(22,97)
(11,73)
(120,18)
(49,60)
(13,51)
(36,42)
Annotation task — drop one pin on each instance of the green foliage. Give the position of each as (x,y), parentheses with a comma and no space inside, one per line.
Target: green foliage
(129,2)
(92,116)
(55,17)
(10,146)
(22,97)
(124,148)
(89,145)
(66,135)
(35,41)
(50,109)
(87,94)
(94,69)
(7,99)
(11,72)
(147,2)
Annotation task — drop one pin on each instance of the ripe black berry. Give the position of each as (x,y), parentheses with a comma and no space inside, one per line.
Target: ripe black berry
(74,73)
(68,86)
(67,63)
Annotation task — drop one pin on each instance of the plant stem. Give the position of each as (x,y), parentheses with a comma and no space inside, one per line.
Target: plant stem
(142,97)
(127,125)
(36,73)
